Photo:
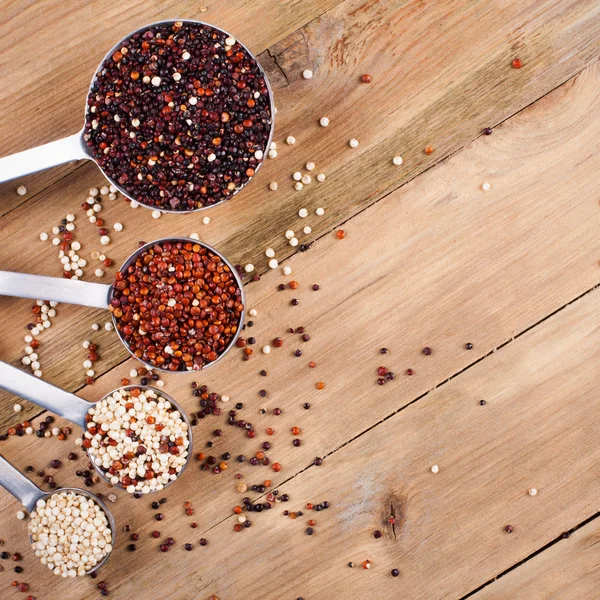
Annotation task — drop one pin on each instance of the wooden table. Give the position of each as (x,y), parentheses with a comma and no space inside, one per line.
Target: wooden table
(430,259)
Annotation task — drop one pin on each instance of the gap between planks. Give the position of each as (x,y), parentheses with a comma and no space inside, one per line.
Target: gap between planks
(330,230)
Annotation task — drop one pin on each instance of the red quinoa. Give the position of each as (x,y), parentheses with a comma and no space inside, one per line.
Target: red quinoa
(178,306)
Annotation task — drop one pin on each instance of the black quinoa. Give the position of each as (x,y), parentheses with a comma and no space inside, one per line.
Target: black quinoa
(165,164)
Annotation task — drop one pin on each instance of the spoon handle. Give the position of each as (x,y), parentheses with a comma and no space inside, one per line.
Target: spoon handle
(42,157)
(15,483)
(24,285)
(44,394)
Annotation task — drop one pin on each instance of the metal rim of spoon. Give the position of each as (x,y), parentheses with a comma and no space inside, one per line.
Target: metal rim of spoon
(72,407)
(99,295)
(28,494)
(73,147)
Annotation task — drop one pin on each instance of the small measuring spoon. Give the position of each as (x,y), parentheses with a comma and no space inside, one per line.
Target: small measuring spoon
(28,494)
(74,147)
(72,407)
(99,295)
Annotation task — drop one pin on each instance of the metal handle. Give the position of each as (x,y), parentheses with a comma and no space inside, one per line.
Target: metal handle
(84,293)
(44,394)
(42,157)
(15,483)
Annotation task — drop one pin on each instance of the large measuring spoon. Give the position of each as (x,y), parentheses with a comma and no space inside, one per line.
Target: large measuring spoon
(29,494)
(75,147)
(72,407)
(99,295)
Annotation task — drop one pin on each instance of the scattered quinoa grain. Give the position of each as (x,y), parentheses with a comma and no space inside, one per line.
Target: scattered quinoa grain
(307,74)
(324,121)
(353,143)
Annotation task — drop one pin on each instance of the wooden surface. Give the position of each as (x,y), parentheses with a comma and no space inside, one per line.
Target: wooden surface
(429,259)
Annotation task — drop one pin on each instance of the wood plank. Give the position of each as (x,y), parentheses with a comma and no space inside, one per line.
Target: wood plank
(449,536)
(243,228)
(47,92)
(568,570)
(544,200)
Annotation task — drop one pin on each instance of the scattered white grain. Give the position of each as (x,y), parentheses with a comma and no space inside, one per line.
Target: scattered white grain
(532,492)
(249,268)
(306,179)
(273,186)
(266,349)
(17,408)
(310,166)
(118,226)
(435,469)
(486,186)
(353,143)
(289,234)
(273,264)
(321,177)
(294,242)
(286,270)
(307,74)
(303,213)
(156,214)
(297,176)
(397,160)
(290,140)
(21,190)
(320,211)
(99,273)
(270,253)
(324,121)
(252,312)
(206,220)
(298,186)
(43,236)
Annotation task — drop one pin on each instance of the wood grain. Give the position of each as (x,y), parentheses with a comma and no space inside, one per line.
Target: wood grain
(448,299)
(46,64)
(449,536)
(568,570)
(437,262)
(445,104)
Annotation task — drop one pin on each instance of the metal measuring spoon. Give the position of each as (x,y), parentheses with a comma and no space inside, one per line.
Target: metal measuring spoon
(99,295)
(74,147)
(28,494)
(72,407)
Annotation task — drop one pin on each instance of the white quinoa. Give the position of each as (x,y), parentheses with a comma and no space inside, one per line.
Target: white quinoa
(70,533)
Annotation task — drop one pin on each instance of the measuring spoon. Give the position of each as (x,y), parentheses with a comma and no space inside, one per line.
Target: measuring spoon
(72,407)
(29,494)
(74,147)
(99,295)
